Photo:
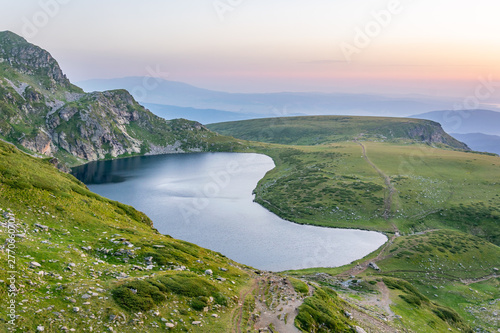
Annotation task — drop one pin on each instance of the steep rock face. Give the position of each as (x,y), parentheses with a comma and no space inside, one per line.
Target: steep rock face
(43,112)
(32,60)
(41,143)
(432,132)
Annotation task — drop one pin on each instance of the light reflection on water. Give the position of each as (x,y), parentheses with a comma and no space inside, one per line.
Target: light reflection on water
(207,199)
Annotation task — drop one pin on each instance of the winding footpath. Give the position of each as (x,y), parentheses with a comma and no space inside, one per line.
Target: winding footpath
(276,306)
(389,187)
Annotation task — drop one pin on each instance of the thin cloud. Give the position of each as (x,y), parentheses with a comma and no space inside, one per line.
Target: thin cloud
(322,62)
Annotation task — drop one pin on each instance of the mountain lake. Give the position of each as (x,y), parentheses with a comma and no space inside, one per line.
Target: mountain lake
(207,199)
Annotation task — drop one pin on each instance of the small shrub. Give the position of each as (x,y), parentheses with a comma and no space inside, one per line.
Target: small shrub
(220,299)
(199,303)
(299,286)
(191,285)
(137,296)
(447,314)
(322,313)
(411,299)
(406,287)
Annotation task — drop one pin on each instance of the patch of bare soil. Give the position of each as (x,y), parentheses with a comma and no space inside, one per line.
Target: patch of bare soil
(276,305)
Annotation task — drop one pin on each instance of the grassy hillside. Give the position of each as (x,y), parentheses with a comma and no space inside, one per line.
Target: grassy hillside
(334,185)
(451,269)
(442,189)
(314,130)
(433,281)
(81,261)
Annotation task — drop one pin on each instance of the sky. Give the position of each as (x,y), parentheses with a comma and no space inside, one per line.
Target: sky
(437,48)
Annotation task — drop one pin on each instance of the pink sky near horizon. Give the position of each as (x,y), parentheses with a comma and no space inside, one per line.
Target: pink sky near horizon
(425,47)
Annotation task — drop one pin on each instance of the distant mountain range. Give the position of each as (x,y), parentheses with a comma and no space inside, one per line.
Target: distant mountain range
(480,142)
(479,129)
(204,116)
(159,91)
(465,121)
(44,112)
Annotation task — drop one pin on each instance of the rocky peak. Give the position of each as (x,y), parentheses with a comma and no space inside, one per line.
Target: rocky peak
(32,60)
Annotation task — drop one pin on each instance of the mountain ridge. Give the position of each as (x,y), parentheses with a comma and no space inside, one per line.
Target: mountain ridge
(44,113)
(181,94)
(314,130)
(465,121)
(480,142)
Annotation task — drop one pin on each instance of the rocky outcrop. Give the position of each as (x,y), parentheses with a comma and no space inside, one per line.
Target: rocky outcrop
(32,60)
(48,115)
(432,132)
(41,143)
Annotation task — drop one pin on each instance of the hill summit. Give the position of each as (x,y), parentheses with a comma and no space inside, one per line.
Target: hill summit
(313,130)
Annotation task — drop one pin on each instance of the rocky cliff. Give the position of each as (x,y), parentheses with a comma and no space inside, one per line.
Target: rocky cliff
(431,132)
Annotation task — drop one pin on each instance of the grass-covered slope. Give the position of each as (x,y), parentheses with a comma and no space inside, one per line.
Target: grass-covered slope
(323,185)
(438,188)
(323,312)
(334,185)
(451,269)
(314,130)
(429,282)
(81,261)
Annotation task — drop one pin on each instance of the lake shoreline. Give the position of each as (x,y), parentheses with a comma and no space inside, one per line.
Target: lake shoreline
(211,202)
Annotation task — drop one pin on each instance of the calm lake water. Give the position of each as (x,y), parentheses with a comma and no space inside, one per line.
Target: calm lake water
(207,199)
